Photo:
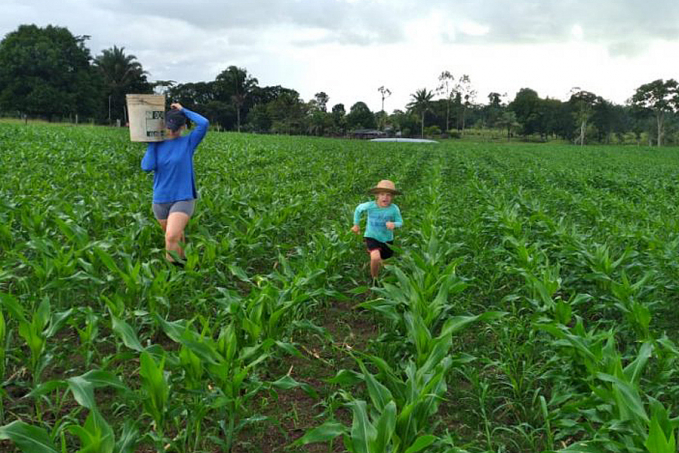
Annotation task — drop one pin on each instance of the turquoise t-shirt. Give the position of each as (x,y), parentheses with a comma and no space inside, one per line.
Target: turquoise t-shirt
(376,227)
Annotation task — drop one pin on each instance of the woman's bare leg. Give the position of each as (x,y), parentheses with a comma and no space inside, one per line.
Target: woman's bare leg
(174,233)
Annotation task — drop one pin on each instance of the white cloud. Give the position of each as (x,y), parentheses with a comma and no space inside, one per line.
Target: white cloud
(577,32)
(472,28)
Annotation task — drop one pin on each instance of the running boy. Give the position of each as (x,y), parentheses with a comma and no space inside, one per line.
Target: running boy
(383,217)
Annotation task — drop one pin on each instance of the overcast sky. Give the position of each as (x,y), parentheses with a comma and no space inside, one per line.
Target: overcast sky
(350,48)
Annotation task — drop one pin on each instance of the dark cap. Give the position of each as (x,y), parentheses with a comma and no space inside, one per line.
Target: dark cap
(174,119)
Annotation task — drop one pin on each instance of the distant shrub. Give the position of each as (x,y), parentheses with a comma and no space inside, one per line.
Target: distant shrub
(432,131)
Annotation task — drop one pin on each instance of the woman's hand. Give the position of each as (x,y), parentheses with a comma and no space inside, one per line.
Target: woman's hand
(390,225)
(176,106)
(356,229)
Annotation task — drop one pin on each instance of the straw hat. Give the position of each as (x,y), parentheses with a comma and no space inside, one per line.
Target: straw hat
(385,186)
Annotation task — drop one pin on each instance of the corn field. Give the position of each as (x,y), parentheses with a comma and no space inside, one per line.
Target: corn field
(530,307)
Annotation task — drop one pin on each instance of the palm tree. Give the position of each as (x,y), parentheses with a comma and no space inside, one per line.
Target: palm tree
(122,74)
(421,102)
(236,84)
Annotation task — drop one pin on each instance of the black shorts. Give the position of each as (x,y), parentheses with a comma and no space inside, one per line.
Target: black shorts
(385,251)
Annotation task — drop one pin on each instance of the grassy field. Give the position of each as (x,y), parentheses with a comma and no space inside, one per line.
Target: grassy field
(532,305)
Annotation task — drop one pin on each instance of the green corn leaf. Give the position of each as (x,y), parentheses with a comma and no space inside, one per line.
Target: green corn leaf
(327,431)
(634,370)
(359,290)
(155,386)
(583,447)
(287,383)
(238,272)
(127,334)
(96,435)
(127,442)
(101,378)
(45,388)
(661,414)
(346,378)
(57,321)
(362,431)
(3,332)
(15,309)
(629,396)
(82,391)
(657,442)
(385,426)
(289,348)
(29,439)
(379,394)
(458,323)
(309,326)
(82,387)
(42,314)
(421,443)
(107,260)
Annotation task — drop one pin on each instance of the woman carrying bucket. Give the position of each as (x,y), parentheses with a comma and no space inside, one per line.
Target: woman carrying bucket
(174,183)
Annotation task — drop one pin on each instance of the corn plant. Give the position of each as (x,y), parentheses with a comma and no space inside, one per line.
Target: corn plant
(42,325)
(156,391)
(3,349)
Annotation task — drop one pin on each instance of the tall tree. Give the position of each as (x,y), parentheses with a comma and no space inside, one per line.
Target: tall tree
(494,108)
(287,112)
(321,101)
(46,71)
(661,97)
(382,116)
(234,84)
(339,120)
(465,94)
(508,121)
(318,120)
(526,106)
(122,74)
(583,104)
(360,117)
(445,88)
(421,103)
(385,92)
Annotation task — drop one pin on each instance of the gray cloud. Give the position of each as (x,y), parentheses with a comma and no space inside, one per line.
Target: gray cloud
(623,25)
(368,22)
(284,41)
(361,23)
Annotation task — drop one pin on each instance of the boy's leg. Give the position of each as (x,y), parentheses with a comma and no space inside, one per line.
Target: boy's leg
(375,262)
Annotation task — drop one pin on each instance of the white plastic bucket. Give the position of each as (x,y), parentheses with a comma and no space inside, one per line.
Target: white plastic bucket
(146,113)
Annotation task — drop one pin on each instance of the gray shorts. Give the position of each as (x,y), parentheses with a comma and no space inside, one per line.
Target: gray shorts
(163,210)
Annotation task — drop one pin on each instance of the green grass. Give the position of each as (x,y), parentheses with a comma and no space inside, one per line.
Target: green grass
(532,307)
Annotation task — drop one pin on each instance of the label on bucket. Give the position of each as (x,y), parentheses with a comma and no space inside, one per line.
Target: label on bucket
(155,123)
(155,115)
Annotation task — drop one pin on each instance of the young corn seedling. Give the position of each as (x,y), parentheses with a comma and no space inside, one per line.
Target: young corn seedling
(3,353)
(43,325)
(402,405)
(155,393)
(95,435)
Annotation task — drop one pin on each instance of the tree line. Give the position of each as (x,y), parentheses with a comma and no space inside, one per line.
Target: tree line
(48,72)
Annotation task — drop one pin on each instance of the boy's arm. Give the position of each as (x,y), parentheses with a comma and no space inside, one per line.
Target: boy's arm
(398,220)
(357,217)
(360,209)
(148,163)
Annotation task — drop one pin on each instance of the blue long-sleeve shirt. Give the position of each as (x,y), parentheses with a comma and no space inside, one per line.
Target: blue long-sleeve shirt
(376,226)
(171,161)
